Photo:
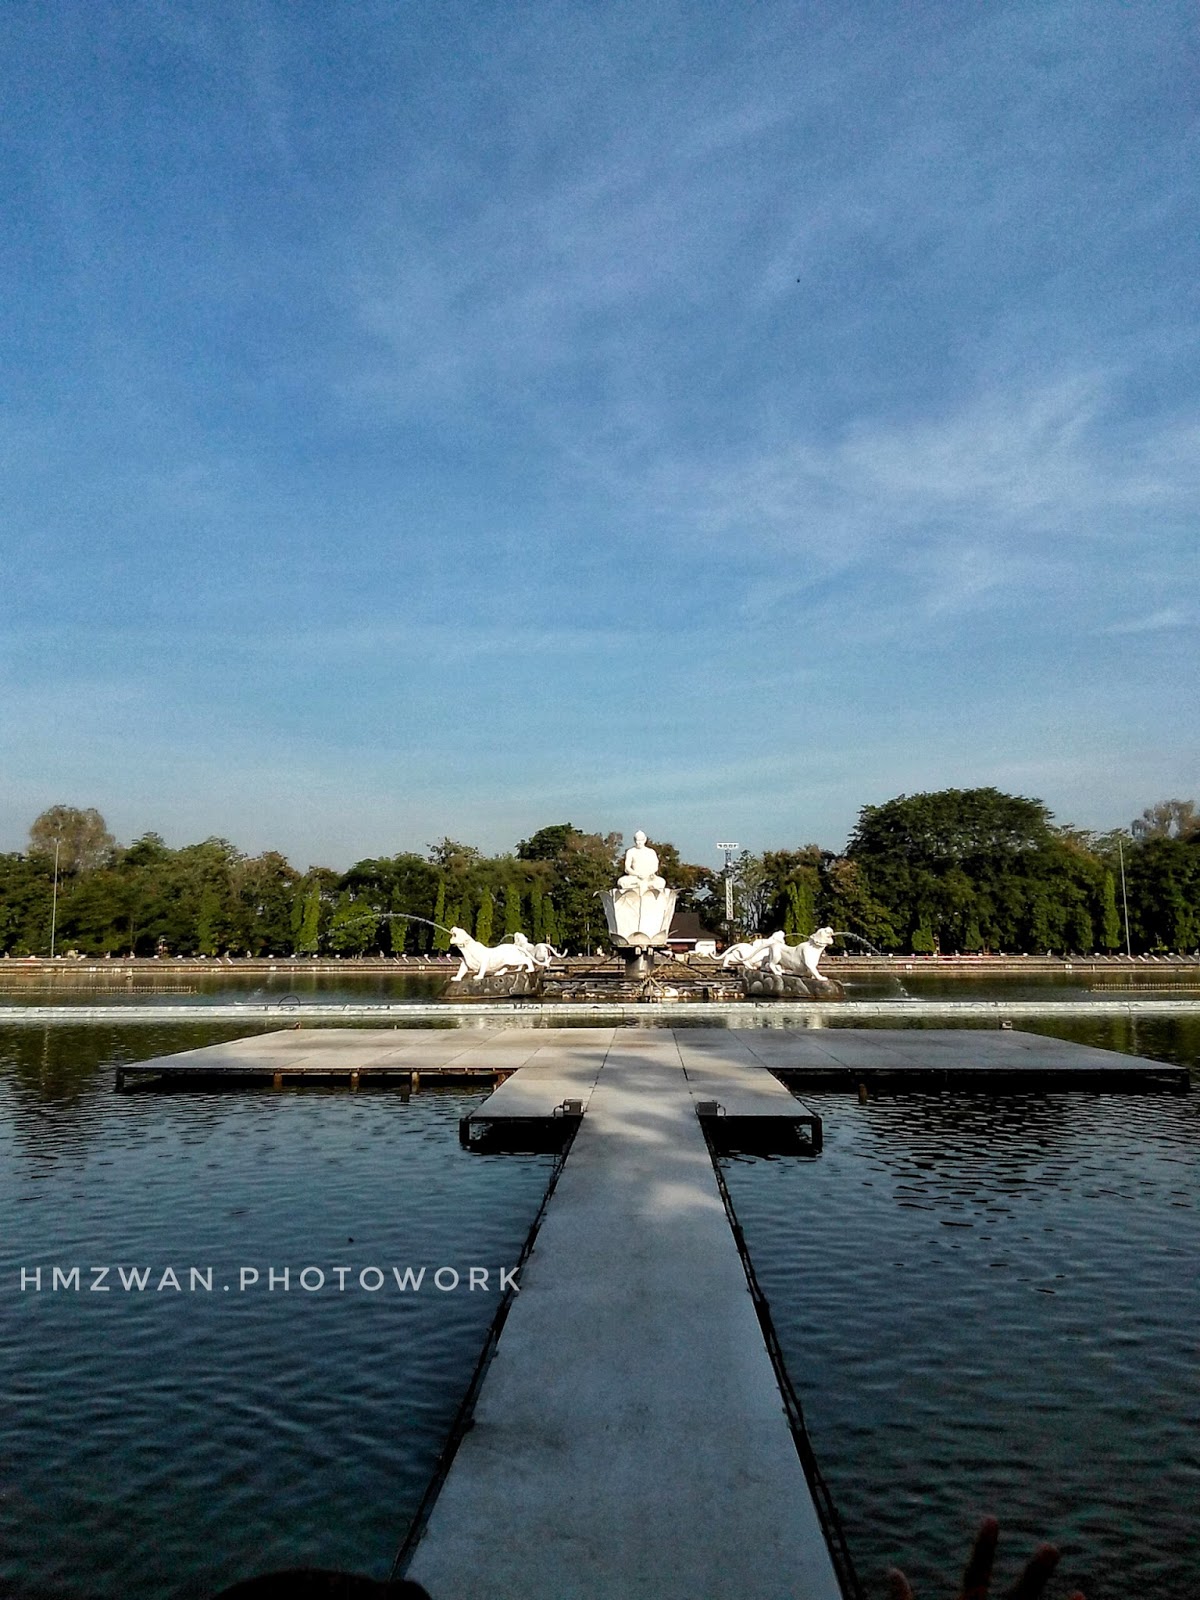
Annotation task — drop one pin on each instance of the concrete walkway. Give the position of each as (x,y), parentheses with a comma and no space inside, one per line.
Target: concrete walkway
(630,1438)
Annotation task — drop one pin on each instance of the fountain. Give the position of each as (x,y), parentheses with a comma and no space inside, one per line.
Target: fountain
(639,910)
(843,933)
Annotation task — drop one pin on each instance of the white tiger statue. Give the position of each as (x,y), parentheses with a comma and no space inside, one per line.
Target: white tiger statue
(800,960)
(543,954)
(486,961)
(776,956)
(752,952)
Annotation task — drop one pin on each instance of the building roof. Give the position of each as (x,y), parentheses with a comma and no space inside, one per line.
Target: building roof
(686,927)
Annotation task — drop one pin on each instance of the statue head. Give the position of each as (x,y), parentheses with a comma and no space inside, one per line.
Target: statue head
(823,937)
(639,838)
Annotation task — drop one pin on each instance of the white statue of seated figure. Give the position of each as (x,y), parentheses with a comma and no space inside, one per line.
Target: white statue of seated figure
(641,875)
(641,906)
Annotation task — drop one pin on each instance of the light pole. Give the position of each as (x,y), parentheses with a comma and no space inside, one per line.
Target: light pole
(729,853)
(1124,899)
(54,898)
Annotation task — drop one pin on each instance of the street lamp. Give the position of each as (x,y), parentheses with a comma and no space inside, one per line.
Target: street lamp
(729,850)
(54,898)
(1124,900)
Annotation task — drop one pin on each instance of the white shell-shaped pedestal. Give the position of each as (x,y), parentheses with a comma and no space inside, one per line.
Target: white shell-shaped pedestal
(641,920)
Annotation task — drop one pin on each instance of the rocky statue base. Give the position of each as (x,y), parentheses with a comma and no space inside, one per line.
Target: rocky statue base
(497,986)
(759,985)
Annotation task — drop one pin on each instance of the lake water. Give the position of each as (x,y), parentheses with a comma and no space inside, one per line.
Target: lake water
(349,984)
(163,1443)
(992,1305)
(987,1303)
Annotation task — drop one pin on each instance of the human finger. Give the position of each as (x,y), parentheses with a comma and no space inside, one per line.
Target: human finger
(1036,1575)
(979,1568)
(899,1587)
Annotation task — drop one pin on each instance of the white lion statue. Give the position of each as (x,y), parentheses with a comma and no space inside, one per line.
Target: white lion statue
(543,954)
(486,961)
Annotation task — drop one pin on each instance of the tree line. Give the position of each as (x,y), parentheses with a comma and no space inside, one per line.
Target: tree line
(958,870)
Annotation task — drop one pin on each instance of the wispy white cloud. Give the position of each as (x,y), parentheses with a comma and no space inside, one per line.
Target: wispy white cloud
(1014,488)
(1022,461)
(1165,619)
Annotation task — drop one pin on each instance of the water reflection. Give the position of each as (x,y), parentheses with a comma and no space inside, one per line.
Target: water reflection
(163,1442)
(990,1305)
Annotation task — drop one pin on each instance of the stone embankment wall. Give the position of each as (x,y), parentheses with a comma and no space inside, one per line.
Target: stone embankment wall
(147,968)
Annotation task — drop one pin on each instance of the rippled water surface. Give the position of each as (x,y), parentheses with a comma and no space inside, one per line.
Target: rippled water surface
(293,983)
(166,1443)
(992,1304)
(290,984)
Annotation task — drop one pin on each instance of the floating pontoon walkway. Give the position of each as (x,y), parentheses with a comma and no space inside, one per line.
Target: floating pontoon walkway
(630,1438)
(734,1097)
(555,1065)
(929,1058)
(546,1098)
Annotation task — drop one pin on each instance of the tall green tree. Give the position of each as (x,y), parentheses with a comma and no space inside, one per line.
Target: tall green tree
(441,934)
(353,928)
(264,888)
(963,864)
(800,917)
(1164,893)
(308,932)
(1110,921)
(81,836)
(206,921)
(25,891)
(1081,930)
(845,902)
(579,867)
(484,918)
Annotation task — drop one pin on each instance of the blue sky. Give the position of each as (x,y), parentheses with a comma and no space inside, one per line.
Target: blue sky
(429,417)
